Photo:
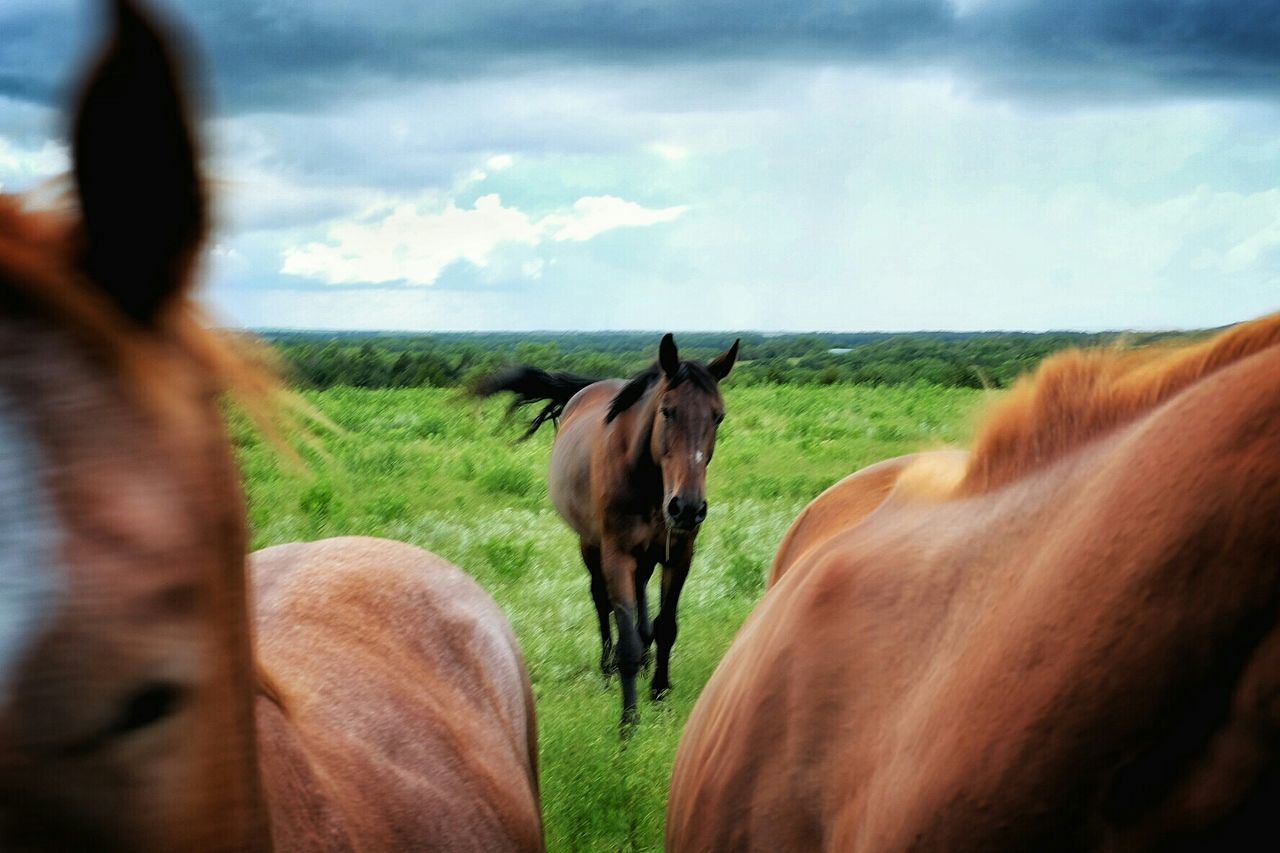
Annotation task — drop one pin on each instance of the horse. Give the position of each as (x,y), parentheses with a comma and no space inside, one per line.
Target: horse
(628,475)
(158,691)
(1065,638)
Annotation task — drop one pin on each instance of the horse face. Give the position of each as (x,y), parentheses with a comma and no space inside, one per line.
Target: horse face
(125,534)
(684,436)
(122,632)
(688,413)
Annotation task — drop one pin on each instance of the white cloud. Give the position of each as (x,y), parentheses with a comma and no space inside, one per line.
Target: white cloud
(23,168)
(831,198)
(594,215)
(409,245)
(670,151)
(414,245)
(533,268)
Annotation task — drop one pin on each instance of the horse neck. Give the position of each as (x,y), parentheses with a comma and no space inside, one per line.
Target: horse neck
(643,471)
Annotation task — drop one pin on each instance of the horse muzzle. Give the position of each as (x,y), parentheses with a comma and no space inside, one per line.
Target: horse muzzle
(684,514)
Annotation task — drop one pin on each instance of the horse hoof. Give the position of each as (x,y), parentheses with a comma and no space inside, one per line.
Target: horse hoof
(627,727)
(657,694)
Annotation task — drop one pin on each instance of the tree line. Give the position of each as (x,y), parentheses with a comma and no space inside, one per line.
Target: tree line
(951,359)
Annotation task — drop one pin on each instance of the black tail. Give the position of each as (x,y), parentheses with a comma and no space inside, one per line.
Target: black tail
(531,385)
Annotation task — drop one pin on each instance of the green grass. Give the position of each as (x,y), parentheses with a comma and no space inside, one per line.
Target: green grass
(444,472)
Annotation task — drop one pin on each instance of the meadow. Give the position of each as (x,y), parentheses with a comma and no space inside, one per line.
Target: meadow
(444,471)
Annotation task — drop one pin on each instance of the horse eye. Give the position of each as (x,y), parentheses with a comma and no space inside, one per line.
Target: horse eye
(719,419)
(668,413)
(148,705)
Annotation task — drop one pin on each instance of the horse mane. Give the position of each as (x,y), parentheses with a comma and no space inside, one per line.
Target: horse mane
(38,275)
(1080,395)
(639,385)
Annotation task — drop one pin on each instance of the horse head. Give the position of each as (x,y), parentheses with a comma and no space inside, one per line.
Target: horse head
(123,720)
(687,412)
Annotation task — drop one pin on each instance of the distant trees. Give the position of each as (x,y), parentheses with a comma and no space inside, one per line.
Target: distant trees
(949,359)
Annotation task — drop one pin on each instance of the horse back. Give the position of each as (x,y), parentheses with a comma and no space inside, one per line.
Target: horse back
(394,707)
(851,500)
(1081,658)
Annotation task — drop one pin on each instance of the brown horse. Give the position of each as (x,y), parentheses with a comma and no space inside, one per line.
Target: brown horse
(1066,639)
(628,475)
(354,693)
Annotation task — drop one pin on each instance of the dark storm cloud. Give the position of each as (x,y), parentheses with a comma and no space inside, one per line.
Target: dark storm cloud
(1140,47)
(294,54)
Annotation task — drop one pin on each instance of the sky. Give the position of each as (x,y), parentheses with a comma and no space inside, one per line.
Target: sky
(794,165)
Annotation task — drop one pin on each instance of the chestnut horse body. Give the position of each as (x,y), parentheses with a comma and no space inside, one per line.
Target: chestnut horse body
(353,693)
(393,710)
(1067,639)
(628,475)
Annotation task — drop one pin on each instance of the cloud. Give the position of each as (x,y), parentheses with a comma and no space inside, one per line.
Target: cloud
(409,245)
(300,55)
(288,54)
(843,163)
(22,168)
(670,151)
(1119,48)
(595,215)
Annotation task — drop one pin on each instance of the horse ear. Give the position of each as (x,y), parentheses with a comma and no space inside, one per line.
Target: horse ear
(141,197)
(668,356)
(723,363)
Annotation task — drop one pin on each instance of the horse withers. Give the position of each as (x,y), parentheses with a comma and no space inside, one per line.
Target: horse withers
(628,475)
(1065,639)
(349,694)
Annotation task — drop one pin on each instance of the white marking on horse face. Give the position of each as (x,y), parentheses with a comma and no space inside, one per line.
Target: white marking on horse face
(698,456)
(29,576)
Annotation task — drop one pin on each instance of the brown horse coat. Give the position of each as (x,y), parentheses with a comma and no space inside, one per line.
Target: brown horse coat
(352,694)
(854,498)
(393,708)
(628,475)
(1067,641)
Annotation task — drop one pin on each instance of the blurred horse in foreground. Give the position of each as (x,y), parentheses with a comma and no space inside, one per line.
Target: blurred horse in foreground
(629,476)
(155,692)
(1065,639)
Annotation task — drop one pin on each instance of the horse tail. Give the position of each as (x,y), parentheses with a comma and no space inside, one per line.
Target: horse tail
(531,385)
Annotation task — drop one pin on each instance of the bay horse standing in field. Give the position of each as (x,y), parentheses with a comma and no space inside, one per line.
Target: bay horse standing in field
(1066,639)
(628,475)
(155,692)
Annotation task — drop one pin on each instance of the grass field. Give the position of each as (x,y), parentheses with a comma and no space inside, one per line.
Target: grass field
(441,471)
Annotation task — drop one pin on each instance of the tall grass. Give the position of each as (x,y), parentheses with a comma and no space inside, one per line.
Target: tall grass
(443,472)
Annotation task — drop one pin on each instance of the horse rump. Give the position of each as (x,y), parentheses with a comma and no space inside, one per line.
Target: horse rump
(531,385)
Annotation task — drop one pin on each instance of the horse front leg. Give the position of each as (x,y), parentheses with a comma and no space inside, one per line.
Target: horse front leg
(644,571)
(620,577)
(665,628)
(600,597)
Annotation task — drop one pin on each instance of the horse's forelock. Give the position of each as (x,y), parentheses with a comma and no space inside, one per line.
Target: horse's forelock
(631,393)
(696,373)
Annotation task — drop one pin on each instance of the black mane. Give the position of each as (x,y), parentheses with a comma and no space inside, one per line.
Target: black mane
(636,388)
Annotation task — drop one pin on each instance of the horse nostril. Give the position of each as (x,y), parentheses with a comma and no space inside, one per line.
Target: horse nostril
(673,508)
(702,513)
